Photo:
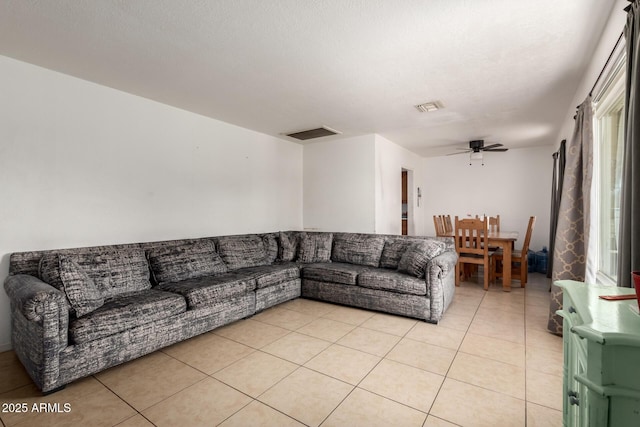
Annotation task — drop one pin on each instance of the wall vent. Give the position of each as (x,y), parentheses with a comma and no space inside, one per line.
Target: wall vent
(313,133)
(428,107)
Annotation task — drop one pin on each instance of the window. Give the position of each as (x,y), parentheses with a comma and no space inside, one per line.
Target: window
(608,141)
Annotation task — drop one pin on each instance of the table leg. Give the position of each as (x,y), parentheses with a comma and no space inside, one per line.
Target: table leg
(506,267)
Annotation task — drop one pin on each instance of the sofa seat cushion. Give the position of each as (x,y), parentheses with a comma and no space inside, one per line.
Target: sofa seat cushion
(354,248)
(392,281)
(211,289)
(335,272)
(125,312)
(271,275)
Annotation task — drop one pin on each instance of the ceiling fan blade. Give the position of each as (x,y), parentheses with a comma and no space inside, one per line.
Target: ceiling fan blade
(461,152)
(492,146)
(497,149)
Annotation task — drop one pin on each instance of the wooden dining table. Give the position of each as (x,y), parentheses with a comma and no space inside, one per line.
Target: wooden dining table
(504,240)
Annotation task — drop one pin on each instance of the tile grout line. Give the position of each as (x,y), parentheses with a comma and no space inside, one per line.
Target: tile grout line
(356,386)
(313,370)
(338,379)
(446,375)
(299,366)
(236,361)
(525,366)
(130,405)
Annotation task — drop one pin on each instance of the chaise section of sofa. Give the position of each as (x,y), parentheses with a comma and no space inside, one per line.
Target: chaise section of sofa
(76,312)
(408,276)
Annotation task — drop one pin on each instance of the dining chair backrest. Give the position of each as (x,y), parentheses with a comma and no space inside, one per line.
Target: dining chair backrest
(448,226)
(527,237)
(439,226)
(469,241)
(469,236)
(494,223)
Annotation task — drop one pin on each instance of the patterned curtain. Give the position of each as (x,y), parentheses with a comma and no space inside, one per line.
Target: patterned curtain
(629,237)
(571,241)
(559,161)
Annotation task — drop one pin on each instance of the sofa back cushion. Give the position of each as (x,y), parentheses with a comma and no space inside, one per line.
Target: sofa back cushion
(289,245)
(81,290)
(184,261)
(242,251)
(114,272)
(414,259)
(271,247)
(393,251)
(315,247)
(360,249)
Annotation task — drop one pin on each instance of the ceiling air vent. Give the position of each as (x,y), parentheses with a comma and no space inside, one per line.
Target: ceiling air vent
(313,133)
(428,107)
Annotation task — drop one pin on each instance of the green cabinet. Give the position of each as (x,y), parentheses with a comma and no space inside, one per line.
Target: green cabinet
(601,357)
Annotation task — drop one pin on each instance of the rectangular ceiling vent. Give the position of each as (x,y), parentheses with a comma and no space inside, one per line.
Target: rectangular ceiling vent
(313,133)
(428,107)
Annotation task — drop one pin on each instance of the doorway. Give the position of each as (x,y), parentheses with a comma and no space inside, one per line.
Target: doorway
(405,202)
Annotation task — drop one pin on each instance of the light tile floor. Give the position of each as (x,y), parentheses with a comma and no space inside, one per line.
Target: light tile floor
(490,362)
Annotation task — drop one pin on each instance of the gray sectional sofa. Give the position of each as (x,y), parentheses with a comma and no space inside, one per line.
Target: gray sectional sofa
(76,312)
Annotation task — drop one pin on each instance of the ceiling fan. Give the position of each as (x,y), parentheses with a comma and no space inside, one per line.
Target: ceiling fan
(476,148)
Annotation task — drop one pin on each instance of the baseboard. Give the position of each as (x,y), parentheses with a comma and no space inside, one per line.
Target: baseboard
(5,347)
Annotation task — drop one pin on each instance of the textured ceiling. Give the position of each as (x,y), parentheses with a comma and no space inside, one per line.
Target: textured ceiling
(505,70)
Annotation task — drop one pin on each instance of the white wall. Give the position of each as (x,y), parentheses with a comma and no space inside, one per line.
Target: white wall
(339,185)
(515,184)
(83,164)
(390,160)
(354,185)
(611,32)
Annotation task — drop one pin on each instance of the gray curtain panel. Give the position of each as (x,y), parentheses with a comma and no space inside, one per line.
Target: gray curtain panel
(559,161)
(571,240)
(629,238)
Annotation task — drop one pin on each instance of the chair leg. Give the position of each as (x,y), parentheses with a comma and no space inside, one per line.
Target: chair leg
(486,277)
(457,274)
(495,265)
(492,271)
(495,270)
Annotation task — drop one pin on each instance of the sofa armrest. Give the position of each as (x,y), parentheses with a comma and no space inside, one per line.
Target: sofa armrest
(30,295)
(39,329)
(440,279)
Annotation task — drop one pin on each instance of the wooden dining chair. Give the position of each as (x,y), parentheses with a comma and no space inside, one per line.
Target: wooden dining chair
(469,237)
(439,225)
(494,227)
(519,265)
(494,223)
(448,226)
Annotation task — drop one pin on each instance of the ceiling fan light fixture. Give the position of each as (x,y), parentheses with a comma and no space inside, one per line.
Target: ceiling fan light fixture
(476,155)
(428,107)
